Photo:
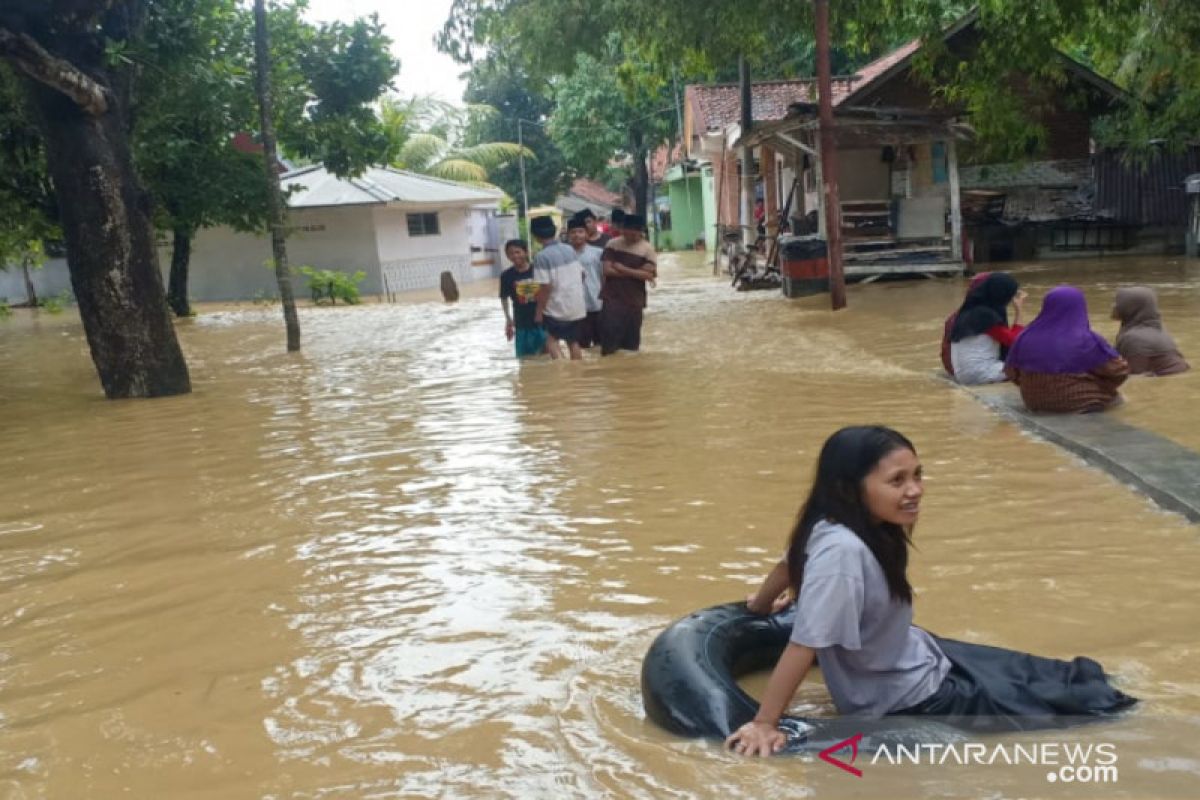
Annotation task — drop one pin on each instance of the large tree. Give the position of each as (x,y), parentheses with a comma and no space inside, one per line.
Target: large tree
(28,210)
(613,107)
(1147,47)
(522,109)
(68,54)
(194,97)
(200,94)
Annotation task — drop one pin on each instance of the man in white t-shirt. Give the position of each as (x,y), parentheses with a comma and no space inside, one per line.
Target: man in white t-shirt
(561,302)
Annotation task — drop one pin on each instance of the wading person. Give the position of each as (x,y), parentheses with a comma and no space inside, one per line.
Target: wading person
(595,236)
(847,562)
(946,362)
(1142,340)
(616,223)
(629,264)
(1060,364)
(517,285)
(593,278)
(560,295)
(980,336)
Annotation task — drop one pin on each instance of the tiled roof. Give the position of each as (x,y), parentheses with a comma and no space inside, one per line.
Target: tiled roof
(592,192)
(720,104)
(879,66)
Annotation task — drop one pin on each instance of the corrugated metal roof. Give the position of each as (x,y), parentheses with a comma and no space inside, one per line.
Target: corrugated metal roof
(1149,192)
(314,187)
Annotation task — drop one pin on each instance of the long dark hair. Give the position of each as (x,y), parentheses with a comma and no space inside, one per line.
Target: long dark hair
(984,306)
(837,495)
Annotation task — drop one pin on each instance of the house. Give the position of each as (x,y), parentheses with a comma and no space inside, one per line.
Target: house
(587,193)
(901,152)
(402,229)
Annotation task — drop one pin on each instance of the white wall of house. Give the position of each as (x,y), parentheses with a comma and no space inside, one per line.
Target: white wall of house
(227,265)
(51,279)
(416,262)
(395,243)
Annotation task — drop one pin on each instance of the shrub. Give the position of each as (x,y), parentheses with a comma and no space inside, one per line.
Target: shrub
(5,311)
(54,304)
(329,285)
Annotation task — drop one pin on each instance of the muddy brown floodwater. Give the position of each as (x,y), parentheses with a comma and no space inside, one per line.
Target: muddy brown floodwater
(404,565)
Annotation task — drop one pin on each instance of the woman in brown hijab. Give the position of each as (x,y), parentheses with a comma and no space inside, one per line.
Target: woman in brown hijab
(1148,348)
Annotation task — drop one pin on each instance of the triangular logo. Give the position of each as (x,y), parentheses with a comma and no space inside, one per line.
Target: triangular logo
(826,755)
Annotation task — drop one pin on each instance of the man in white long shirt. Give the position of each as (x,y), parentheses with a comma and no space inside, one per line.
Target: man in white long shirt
(593,278)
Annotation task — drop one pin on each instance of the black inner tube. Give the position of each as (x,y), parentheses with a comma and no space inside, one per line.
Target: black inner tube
(689,684)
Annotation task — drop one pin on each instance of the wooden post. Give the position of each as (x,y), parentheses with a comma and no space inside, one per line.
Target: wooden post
(771,183)
(956,233)
(820,184)
(748,175)
(719,241)
(829,165)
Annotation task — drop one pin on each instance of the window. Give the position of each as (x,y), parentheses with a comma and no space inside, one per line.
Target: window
(423,225)
(938,157)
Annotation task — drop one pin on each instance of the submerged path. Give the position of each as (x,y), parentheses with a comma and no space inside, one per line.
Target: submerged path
(1167,472)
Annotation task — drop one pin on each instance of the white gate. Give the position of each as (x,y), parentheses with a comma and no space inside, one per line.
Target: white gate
(408,274)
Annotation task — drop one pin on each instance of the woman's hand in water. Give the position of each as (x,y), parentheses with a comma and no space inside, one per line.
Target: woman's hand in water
(757,739)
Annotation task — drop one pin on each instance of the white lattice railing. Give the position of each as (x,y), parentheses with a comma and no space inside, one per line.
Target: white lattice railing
(407,274)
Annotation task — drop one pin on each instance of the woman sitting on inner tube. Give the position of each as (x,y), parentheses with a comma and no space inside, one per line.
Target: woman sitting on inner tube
(847,562)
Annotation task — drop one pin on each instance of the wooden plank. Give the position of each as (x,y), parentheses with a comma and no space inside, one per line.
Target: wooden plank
(859,255)
(955,199)
(942,268)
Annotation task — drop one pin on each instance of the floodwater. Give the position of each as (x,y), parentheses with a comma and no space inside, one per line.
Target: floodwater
(404,565)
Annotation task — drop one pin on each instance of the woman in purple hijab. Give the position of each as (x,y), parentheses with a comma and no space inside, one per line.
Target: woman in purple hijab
(1061,364)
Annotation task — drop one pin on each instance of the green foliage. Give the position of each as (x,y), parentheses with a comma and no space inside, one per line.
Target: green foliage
(55,303)
(502,85)
(612,106)
(1149,48)
(329,286)
(264,298)
(326,79)
(28,209)
(5,309)
(426,135)
(196,91)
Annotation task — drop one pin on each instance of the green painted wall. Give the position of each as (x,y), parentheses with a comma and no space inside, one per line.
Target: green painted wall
(687,211)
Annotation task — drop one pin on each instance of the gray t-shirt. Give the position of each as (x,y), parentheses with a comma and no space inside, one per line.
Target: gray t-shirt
(873,658)
(557,265)
(593,276)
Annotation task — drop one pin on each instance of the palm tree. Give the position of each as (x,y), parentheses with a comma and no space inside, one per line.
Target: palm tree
(425,131)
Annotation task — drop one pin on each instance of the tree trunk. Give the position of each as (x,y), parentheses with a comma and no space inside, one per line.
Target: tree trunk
(274,195)
(177,285)
(641,180)
(110,249)
(30,292)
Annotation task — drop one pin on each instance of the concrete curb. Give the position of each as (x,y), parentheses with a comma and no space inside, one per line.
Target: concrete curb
(1166,472)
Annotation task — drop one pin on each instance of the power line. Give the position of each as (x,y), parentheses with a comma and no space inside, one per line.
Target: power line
(612,125)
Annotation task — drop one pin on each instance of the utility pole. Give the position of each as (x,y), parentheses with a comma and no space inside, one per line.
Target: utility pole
(829,160)
(521,159)
(748,175)
(275,201)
